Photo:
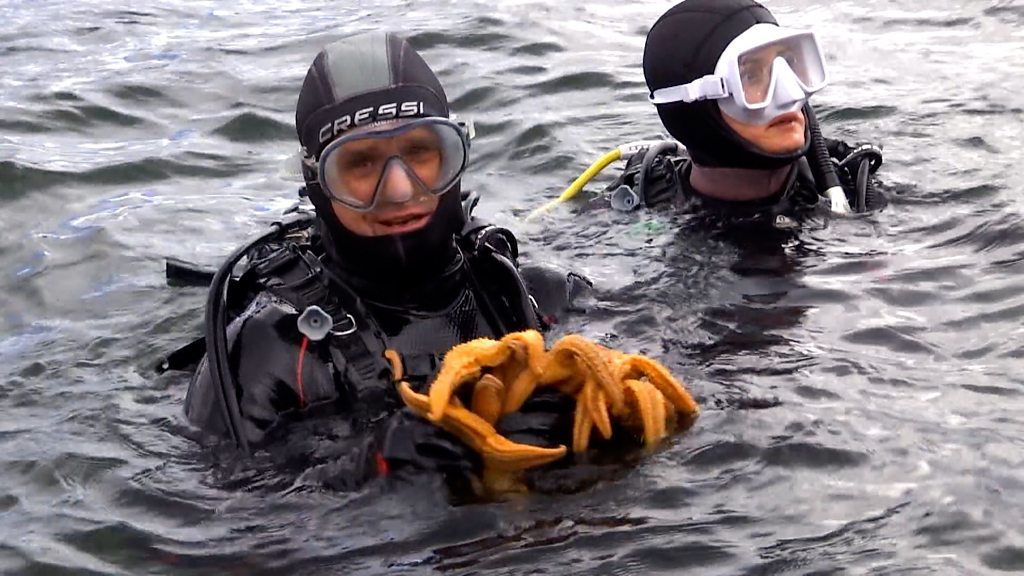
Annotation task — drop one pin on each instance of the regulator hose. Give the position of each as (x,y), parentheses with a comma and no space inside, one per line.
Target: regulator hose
(824,172)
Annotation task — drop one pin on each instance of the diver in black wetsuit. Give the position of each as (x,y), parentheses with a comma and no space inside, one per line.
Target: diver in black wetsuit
(391,262)
(732,86)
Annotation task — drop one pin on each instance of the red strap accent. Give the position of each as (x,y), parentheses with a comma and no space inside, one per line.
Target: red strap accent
(298,372)
(382,465)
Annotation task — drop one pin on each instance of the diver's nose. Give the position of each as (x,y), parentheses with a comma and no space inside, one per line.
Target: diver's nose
(787,87)
(397,185)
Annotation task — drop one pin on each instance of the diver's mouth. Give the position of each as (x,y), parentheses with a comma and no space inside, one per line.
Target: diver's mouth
(786,119)
(402,223)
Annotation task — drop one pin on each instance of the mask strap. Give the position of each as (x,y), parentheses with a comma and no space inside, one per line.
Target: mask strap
(709,87)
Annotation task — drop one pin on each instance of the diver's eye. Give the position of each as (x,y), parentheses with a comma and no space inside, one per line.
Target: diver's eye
(420,151)
(357,164)
(752,76)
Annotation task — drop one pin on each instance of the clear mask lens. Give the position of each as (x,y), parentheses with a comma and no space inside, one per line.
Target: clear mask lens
(759,68)
(394,164)
(764,69)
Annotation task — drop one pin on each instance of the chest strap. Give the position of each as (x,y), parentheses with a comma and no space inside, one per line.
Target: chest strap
(298,277)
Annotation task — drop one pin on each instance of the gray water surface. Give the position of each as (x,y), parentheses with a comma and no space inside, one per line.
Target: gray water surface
(887,350)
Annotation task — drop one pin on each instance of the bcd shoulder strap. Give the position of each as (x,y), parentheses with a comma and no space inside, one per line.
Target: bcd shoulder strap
(297,276)
(651,177)
(492,255)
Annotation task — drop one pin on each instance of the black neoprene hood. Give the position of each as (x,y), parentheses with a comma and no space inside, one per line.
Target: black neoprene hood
(684,45)
(359,80)
(362,79)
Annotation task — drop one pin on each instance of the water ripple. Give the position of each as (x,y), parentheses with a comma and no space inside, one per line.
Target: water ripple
(20,179)
(860,385)
(252,127)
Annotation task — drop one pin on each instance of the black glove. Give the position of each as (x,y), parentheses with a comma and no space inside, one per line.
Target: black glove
(545,420)
(863,153)
(854,166)
(660,183)
(556,291)
(851,156)
(411,443)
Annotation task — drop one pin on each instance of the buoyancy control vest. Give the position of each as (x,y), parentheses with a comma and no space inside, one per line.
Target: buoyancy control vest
(660,175)
(285,267)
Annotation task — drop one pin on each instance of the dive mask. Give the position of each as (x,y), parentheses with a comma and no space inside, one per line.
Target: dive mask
(763,73)
(393,162)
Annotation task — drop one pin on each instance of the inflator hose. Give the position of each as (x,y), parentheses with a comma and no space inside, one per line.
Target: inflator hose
(215,331)
(824,172)
(645,166)
(863,183)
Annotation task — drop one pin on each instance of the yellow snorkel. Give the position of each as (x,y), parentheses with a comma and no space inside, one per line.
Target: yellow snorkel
(618,153)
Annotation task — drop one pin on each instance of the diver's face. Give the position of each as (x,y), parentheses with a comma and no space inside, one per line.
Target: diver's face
(403,205)
(784,134)
(389,218)
(757,66)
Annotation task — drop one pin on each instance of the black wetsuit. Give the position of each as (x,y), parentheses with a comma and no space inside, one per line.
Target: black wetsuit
(283,377)
(265,346)
(797,203)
